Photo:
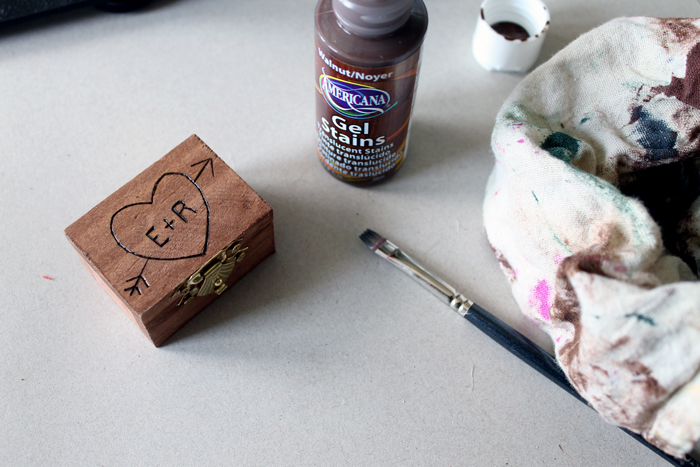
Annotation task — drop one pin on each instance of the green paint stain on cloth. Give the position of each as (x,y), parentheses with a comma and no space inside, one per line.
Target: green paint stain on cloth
(561,146)
(561,242)
(644,319)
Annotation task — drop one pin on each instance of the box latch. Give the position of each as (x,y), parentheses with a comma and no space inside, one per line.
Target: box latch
(212,276)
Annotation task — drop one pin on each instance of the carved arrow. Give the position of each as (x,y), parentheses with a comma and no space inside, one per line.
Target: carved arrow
(206,162)
(138,279)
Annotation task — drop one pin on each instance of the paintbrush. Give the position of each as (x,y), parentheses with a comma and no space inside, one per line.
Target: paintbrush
(509,338)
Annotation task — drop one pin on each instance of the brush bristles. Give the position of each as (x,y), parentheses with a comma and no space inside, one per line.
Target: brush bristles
(372,239)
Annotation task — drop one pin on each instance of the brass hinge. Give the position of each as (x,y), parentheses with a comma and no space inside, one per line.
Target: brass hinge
(212,276)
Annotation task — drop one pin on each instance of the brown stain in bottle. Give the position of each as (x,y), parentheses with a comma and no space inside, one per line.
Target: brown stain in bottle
(395,59)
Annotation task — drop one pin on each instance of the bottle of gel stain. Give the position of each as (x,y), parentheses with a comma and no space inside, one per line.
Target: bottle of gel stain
(367,61)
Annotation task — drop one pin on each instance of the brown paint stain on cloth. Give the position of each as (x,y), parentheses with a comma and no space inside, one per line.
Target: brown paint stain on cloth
(677,30)
(505,265)
(686,90)
(585,374)
(566,307)
(650,385)
(620,342)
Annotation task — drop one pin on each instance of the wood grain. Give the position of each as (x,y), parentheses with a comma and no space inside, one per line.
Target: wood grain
(152,234)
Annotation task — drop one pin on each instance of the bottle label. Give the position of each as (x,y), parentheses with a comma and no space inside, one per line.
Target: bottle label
(363,116)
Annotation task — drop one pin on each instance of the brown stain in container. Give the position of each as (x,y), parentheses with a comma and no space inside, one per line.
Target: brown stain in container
(511,31)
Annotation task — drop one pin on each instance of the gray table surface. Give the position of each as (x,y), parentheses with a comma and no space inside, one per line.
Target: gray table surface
(323,355)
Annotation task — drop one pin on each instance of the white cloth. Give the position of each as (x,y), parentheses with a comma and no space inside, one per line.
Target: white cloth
(593,212)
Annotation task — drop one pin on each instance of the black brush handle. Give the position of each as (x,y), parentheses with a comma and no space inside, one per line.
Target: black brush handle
(542,361)
(521,347)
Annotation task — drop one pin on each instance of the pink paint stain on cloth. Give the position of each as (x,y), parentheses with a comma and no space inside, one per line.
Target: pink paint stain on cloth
(521,141)
(540,298)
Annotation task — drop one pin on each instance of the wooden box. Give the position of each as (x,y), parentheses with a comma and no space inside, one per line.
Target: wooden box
(167,243)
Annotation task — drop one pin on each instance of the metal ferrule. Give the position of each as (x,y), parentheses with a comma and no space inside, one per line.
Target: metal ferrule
(426,279)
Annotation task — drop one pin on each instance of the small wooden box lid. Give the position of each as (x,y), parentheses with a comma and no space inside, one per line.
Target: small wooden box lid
(185,214)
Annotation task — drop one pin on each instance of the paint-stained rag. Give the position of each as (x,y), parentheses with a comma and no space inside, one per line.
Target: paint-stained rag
(593,211)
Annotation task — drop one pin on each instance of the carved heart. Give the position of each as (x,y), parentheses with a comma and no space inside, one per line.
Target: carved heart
(173,225)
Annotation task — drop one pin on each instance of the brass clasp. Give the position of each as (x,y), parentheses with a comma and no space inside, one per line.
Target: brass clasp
(212,276)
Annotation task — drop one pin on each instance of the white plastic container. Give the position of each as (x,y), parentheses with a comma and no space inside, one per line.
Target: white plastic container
(496,52)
